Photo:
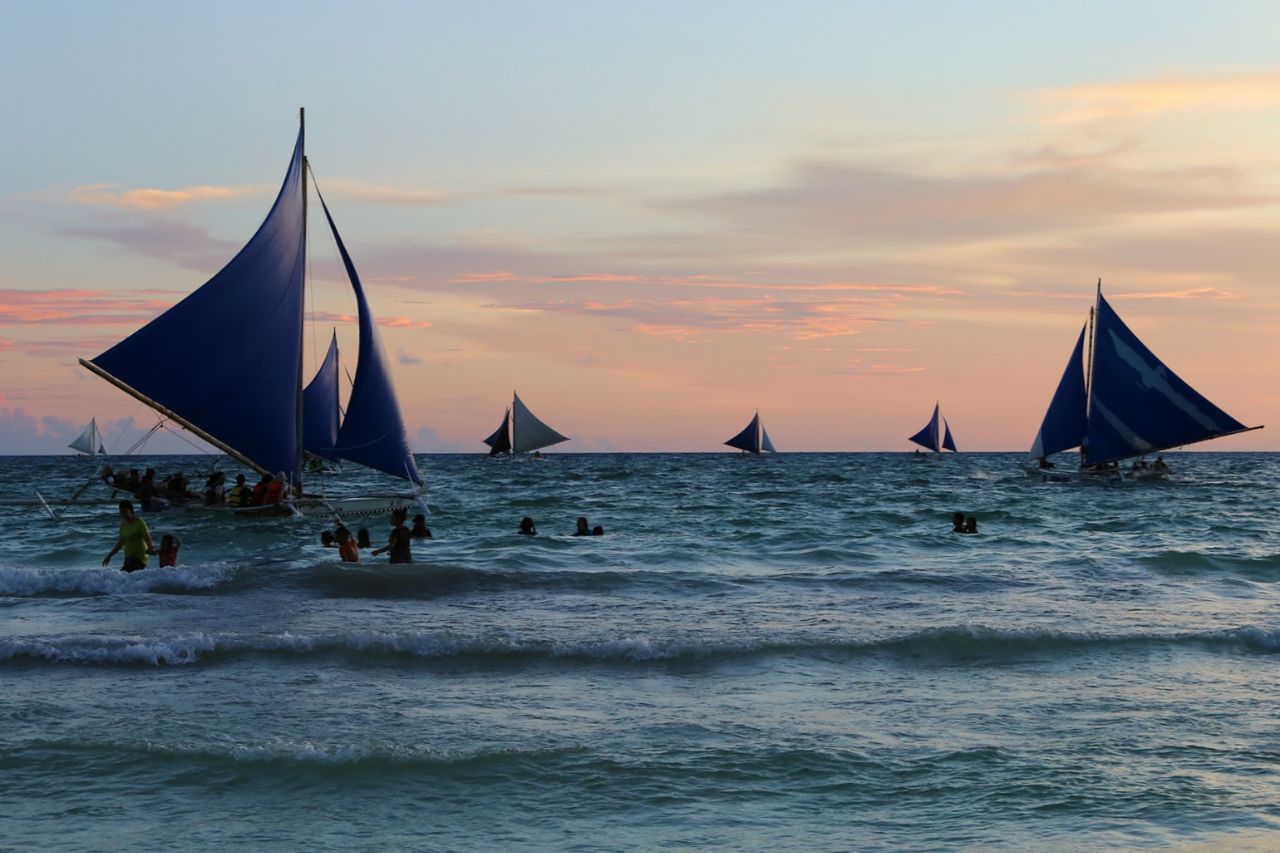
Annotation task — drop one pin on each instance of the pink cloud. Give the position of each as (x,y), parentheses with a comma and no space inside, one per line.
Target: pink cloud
(77,307)
(155,199)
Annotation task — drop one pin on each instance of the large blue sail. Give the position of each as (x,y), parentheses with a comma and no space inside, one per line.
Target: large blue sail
(948,443)
(227,360)
(372,432)
(1065,422)
(928,437)
(320,407)
(1138,405)
(749,438)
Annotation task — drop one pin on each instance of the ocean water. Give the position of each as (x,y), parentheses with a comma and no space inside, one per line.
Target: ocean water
(781,653)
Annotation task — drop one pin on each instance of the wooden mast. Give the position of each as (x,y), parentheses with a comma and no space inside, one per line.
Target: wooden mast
(297,459)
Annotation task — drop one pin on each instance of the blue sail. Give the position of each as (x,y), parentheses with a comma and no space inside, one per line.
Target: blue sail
(766,444)
(1065,422)
(228,358)
(372,433)
(500,441)
(320,407)
(948,443)
(749,438)
(928,437)
(1138,405)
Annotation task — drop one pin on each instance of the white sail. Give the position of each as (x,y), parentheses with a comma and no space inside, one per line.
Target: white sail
(88,440)
(527,432)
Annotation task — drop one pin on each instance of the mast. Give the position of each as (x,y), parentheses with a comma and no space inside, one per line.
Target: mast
(1088,371)
(511,424)
(759,434)
(302,128)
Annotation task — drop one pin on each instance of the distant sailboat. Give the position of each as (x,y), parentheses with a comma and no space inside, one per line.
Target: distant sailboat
(754,439)
(89,441)
(934,438)
(1116,400)
(521,431)
(247,399)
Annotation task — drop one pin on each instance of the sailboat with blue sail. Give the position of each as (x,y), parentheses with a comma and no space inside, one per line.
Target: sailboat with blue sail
(1117,401)
(936,435)
(248,400)
(754,439)
(521,432)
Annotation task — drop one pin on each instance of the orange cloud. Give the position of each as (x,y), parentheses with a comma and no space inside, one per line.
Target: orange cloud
(1101,101)
(77,307)
(154,199)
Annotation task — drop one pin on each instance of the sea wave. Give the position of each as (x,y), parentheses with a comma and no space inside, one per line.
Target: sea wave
(969,643)
(52,583)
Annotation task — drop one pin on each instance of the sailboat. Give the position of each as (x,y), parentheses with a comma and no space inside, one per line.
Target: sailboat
(753,439)
(225,363)
(1117,401)
(89,442)
(521,431)
(933,438)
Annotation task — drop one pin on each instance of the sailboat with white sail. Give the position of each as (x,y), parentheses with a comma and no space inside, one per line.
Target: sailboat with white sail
(521,432)
(754,439)
(226,364)
(1116,401)
(936,435)
(89,441)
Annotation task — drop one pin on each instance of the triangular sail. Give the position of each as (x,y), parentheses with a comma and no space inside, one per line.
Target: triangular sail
(372,433)
(102,449)
(1065,421)
(88,439)
(948,443)
(228,358)
(500,441)
(928,437)
(527,432)
(320,407)
(1137,404)
(753,438)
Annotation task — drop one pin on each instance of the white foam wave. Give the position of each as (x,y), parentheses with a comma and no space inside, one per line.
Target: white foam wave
(27,583)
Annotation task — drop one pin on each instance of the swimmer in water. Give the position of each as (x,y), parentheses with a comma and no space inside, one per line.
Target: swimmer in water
(584,529)
(527,528)
(957,523)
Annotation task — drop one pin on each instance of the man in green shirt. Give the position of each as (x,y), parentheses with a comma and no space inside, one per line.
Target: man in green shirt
(135,539)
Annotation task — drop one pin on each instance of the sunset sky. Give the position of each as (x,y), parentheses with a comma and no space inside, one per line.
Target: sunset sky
(653,219)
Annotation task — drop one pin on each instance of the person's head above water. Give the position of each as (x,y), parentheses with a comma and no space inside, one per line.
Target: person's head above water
(971,525)
(126,510)
(584,529)
(343,534)
(526,527)
(362,537)
(957,522)
(398,516)
(326,538)
(597,531)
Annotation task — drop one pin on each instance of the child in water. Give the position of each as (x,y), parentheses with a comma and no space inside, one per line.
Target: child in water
(168,553)
(347,548)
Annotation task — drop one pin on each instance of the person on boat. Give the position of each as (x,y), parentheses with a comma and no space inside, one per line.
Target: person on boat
(1043,463)
(178,485)
(397,546)
(108,476)
(131,482)
(134,538)
(971,525)
(259,494)
(584,529)
(168,553)
(597,531)
(238,495)
(275,489)
(1159,466)
(957,522)
(215,489)
(420,530)
(327,540)
(527,528)
(146,491)
(347,548)
(362,538)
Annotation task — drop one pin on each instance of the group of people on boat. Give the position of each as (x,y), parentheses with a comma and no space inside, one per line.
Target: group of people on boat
(154,493)
(582,528)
